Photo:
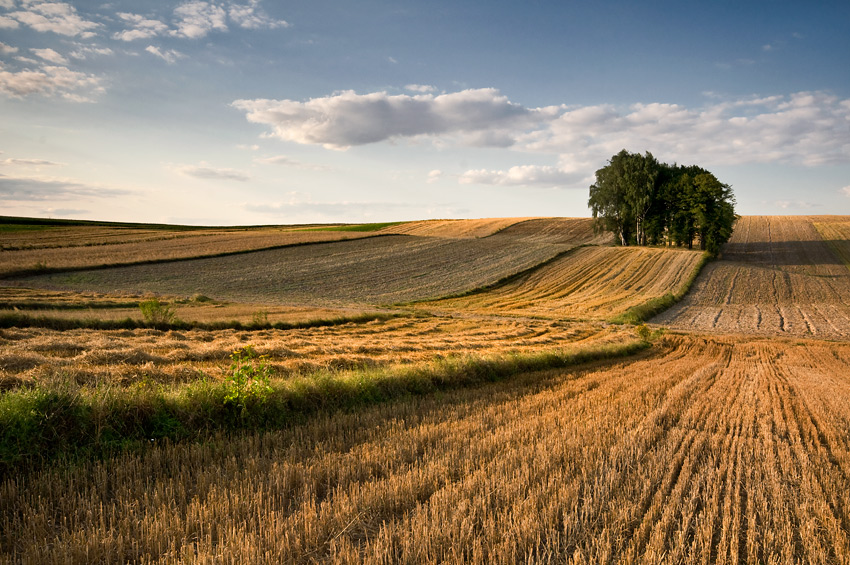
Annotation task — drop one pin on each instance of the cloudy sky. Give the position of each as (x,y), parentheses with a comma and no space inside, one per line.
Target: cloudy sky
(260,112)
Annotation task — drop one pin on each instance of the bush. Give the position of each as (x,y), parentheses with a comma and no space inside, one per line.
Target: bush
(248,382)
(156,313)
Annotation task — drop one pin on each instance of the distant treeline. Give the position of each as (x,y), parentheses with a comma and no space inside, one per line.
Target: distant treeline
(645,202)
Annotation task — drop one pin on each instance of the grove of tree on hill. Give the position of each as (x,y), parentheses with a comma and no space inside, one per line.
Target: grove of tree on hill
(646,202)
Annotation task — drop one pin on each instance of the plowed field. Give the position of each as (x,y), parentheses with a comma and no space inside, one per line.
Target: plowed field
(706,451)
(777,276)
(591,282)
(378,270)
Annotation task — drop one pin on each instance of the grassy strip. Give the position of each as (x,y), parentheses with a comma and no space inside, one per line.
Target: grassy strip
(357,227)
(654,306)
(42,424)
(40,305)
(22,320)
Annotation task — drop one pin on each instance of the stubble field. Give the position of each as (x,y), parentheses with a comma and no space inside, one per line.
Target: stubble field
(723,442)
(777,276)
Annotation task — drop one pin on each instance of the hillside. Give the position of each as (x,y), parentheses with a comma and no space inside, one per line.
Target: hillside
(777,275)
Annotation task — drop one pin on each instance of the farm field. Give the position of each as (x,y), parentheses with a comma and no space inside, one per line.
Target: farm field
(704,450)
(777,276)
(721,438)
(592,282)
(383,270)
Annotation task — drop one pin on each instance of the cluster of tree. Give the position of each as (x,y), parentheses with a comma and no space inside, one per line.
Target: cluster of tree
(645,202)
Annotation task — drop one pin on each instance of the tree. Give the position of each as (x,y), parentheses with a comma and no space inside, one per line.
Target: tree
(643,201)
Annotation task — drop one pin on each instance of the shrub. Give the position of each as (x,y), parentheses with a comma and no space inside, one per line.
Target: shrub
(156,313)
(248,381)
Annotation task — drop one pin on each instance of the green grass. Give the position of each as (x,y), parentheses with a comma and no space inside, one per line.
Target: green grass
(654,306)
(41,424)
(357,227)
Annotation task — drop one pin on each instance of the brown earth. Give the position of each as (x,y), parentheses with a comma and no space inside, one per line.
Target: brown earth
(379,270)
(777,275)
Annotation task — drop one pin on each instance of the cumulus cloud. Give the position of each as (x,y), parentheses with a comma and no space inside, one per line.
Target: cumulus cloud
(50,81)
(7,49)
(251,16)
(196,19)
(57,17)
(170,56)
(140,27)
(807,128)
(846,190)
(50,55)
(211,173)
(346,119)
(420,88)
(435,176)
(521,175)
(8,23)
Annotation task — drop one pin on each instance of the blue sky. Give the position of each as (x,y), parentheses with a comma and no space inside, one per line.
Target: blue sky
(261,112)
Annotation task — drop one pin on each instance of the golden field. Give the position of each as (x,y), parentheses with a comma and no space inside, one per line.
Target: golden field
(724,441)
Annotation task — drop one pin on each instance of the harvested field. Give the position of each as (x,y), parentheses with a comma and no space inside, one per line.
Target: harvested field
(124,357)
(381,270)
(82,247)
(453,228)
(835,230)
(777,276)
(706,450)
(591,282)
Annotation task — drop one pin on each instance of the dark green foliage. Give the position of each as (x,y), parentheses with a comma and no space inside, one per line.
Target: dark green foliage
(646,202)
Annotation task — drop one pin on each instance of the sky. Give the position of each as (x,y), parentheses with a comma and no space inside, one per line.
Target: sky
(236,112)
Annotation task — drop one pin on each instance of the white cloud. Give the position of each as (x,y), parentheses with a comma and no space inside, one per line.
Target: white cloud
(197,19)
(50,55)
(57,17)
(210,173)
(420,88)
(170,56)
(846,190)
(522,175)
(29,162)
(83,51)
(24,189)
(142,27)
(250,16)
(8,23)
(807,128)
(288,162)
(435,176)
(347,118)
(7,49)
(8,4)
(50,81)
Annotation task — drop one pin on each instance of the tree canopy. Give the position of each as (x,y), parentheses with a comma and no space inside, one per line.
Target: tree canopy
(646,202)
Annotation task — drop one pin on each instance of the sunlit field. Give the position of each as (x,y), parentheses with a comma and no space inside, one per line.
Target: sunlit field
(425,392)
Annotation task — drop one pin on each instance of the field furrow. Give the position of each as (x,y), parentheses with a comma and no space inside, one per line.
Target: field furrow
(777,275)
(709,450)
